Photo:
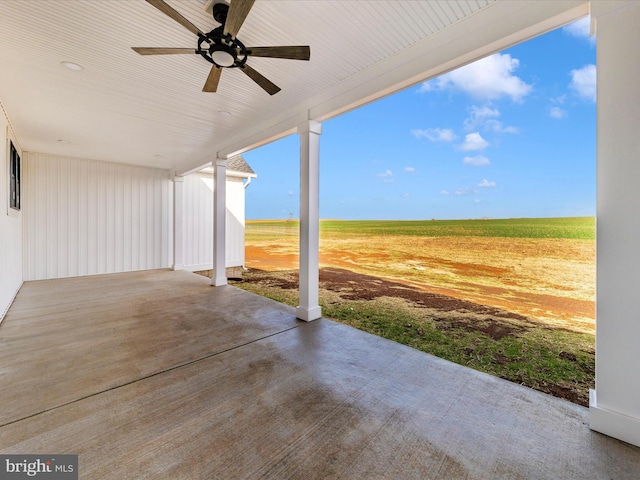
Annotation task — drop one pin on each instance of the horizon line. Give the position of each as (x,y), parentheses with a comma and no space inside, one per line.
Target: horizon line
(414,219)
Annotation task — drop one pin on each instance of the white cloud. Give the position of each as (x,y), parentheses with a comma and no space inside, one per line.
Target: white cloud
(460,192)
(476,200)
(486,184)
(409,169)
(290,193)
(490,78)
(405,195)
(583,81)
(477,161)
(435,134)
(444,192)
(479,115)
(427,86)
(387,176)
(557,112)
(473,141)
(581,29)
(497,127)
(560,100)
(485,117)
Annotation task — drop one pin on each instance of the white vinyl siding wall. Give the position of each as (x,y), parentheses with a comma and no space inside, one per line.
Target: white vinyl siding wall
(235,221)
(86,217)
(10,227)
(198,215)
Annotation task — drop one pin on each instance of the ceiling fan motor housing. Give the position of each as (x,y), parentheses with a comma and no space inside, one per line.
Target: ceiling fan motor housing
(219,12)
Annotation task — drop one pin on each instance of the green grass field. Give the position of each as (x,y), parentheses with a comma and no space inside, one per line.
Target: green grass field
(579,228)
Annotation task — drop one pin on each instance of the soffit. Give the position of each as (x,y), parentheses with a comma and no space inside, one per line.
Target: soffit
(151,111)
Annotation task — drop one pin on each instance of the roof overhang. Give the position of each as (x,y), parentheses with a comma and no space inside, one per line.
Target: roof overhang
(151,111)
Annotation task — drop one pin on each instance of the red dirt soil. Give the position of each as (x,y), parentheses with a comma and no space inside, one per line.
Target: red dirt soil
(560,311)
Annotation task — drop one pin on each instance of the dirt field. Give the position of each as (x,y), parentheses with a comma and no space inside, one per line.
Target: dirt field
(551,280)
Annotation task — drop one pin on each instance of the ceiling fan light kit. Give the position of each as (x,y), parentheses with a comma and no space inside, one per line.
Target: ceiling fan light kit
(220,46)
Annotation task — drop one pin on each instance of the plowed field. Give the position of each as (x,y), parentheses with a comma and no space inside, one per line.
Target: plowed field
(551,280)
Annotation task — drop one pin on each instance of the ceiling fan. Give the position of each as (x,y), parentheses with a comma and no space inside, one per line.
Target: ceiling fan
(222,48)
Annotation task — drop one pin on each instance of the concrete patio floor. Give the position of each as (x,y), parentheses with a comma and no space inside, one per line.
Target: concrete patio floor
(157,374)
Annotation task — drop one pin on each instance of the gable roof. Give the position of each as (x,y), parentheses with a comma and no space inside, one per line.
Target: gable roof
(237,166)
(240,165)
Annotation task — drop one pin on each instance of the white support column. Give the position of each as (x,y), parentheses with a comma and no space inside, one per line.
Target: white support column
(178,223)
(219,276)
(614,407)
(309,132)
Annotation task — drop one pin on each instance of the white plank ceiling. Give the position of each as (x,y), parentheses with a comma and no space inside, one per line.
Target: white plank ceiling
(150,110)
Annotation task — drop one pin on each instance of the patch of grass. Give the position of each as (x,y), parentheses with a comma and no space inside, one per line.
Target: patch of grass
(552,360)
(541,358)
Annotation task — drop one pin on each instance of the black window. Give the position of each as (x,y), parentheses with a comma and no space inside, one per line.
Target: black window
(14,178)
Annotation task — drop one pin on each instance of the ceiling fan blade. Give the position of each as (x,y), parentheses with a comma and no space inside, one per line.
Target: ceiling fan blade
(211,85)
(264,82)
(238,11)
(169,11)
(293,53)
(162,51)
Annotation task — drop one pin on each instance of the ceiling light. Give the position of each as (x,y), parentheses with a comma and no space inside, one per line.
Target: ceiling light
(224,113)
(73,66)
(222,58)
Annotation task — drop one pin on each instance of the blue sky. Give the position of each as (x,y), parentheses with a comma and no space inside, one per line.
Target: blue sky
(512,135)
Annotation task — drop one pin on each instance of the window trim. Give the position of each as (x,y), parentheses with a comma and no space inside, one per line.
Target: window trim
(14,161)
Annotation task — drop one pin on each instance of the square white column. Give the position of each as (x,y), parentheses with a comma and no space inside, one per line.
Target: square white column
(614,406)
(309,132)
(219,276)
(178,223)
